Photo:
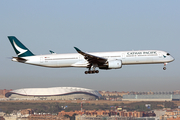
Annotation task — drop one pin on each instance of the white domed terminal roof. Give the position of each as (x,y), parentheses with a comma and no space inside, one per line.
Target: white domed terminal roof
(54,91)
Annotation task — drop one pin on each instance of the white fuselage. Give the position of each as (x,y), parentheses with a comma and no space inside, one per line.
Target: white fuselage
(77,60)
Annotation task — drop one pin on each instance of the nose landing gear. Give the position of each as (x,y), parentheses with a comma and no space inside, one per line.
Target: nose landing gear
(164,68)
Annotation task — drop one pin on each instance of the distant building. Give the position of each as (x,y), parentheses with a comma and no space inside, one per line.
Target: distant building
(154,93)
(3,92)
(55,93)
(1,118)
(96,113)
(27,111)
(113,93)
(152,97)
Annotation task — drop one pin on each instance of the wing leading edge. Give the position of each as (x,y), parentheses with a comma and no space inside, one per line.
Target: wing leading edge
(92,59)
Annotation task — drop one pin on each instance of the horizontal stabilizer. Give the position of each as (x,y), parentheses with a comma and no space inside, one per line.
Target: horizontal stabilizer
(18,59)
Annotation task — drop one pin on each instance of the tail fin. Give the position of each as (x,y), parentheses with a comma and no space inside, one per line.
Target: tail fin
(19,48)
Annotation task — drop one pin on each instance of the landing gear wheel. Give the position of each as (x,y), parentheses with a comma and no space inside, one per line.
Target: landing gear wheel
(91,72)
(164,68)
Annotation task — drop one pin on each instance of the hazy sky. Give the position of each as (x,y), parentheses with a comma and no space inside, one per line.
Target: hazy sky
(92,26)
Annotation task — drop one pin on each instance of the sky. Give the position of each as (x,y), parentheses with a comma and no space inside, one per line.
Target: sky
(92,26)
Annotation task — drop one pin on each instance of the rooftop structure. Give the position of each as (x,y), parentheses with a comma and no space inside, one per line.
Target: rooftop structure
(152,97)
(60,93)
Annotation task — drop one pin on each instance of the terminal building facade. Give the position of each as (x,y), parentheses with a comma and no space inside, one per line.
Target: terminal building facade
(55,93)
(156,96)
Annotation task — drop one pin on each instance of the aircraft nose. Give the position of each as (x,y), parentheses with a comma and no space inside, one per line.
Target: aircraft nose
(172,58)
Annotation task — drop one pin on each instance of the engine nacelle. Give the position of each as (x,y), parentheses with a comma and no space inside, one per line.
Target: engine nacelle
(114,64)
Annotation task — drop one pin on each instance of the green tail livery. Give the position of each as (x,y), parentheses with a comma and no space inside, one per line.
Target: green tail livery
(19,48)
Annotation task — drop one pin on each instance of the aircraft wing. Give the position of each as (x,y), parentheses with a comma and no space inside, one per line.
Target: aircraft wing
(92,59)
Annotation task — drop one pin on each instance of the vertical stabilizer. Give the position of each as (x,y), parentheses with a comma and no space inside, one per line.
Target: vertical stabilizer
(19,48)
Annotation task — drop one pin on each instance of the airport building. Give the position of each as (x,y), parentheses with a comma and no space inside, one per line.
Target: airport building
(54,93)
(153,97)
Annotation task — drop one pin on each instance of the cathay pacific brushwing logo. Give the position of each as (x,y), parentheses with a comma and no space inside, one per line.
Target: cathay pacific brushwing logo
(21,51)
(164,56)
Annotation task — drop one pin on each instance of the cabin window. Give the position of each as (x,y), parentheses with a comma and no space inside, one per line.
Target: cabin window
(168,54)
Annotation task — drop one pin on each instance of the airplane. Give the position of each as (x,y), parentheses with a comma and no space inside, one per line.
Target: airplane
(102,60)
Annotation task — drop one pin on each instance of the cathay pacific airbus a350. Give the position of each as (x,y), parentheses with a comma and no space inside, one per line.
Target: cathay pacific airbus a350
(102,60)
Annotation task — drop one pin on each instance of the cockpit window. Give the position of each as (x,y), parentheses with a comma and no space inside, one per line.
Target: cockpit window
(168,54)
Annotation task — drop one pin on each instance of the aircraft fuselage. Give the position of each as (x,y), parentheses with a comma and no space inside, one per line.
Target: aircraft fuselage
(102,60)
(77,60)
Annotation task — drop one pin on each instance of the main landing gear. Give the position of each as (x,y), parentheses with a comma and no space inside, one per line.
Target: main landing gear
(92,71)
(164,68)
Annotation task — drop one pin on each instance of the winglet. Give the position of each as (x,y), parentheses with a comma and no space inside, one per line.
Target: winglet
(52,52)
(77,49)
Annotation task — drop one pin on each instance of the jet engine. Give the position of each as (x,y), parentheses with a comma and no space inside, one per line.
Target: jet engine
(112,64)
